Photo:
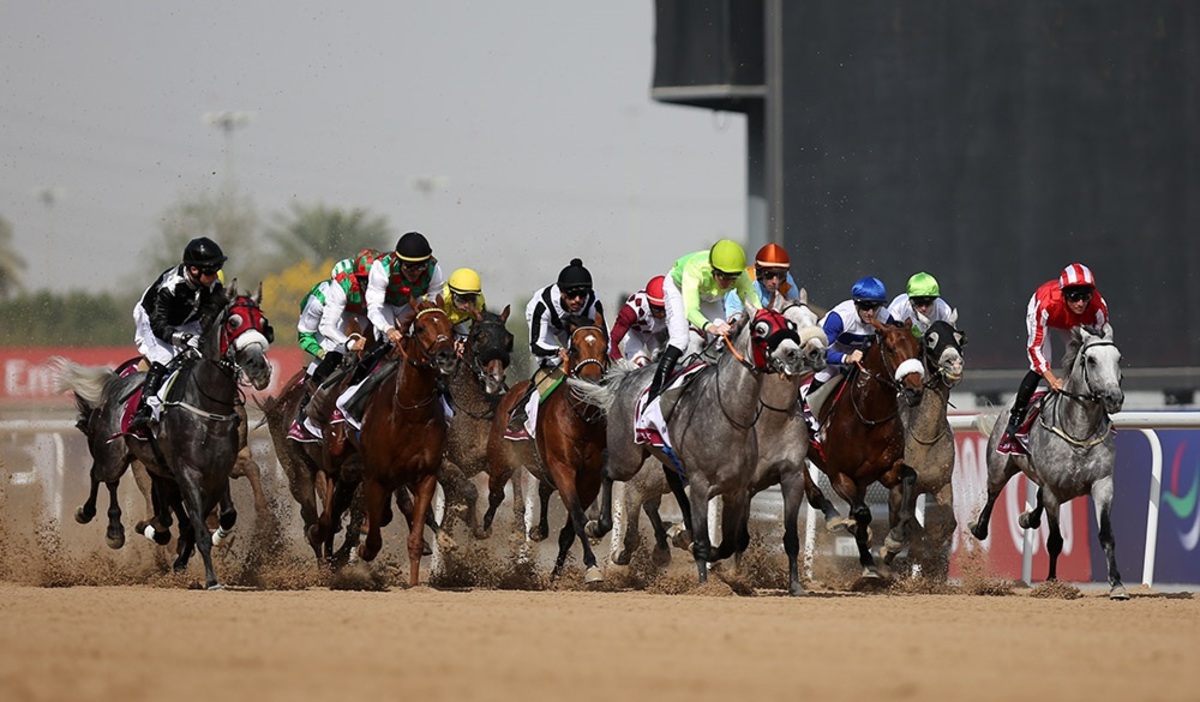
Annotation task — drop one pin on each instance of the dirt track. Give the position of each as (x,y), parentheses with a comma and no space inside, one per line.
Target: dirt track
(135,643)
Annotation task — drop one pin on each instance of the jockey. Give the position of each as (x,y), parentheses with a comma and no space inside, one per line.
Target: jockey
(849,330)
(772,280)
(921,303)
(462,297)
(167,317)
(409,272)
(694,293)
(1069,302)
(550,306)
(641,325)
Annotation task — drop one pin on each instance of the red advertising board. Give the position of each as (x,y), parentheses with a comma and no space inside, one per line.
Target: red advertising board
(1002,550)
(28,375)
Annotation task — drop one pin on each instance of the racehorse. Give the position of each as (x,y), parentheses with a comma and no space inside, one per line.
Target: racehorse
(929,447)
(569,440)
(193,451)
(1072,448)
(711,428)
(475,389)
(403,436)
(865,437)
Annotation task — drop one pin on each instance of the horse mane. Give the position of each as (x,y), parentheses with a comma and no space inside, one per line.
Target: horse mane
(1076,344)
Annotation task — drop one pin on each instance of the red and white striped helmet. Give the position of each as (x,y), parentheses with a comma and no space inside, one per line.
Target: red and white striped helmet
(1076,274)
(654,291)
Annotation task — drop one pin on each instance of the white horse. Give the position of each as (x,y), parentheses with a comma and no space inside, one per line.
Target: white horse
(1072,448)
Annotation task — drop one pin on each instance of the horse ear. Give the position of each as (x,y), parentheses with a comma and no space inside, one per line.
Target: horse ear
(803,296)
(1107,331)
(598,320)
(961,338)
(231,291)
(953,317)
(440,302)
(258,294)
(504,314)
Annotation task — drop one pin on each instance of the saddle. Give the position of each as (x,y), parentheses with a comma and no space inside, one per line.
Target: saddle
(1018,444)
(817,399)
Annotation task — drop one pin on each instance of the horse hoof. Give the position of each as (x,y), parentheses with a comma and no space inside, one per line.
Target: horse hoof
(1027,522)
(82,516)
(426,549)
(481,534)
(796,590)
(116,540)
(593,530)
(213,587)
(1118,593)
(845,524)
(536,535)
(681,538)
(593,575)
(979,531)
(660,557)
(871,573)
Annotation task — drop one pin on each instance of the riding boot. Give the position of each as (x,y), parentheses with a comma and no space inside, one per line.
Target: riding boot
(809,417)
(662,374)
(1020,406)
(154,380)
(367,363)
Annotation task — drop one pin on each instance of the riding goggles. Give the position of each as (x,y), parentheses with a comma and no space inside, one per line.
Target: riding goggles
(1077,295)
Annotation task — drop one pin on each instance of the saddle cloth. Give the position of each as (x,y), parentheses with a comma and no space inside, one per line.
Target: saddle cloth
(650,416)
(134,399)
(1019,444)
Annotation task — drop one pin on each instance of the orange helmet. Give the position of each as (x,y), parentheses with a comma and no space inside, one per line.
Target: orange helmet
(654,291)
(772,256)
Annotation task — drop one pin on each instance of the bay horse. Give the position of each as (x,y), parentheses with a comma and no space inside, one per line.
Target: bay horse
(1072,448)
(475,390)
(712,429)
(193,451)
(864,436)
(567,451)
(929,448)
(403,436)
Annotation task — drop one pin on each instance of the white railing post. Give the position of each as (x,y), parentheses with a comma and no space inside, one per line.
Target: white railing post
(1152,510)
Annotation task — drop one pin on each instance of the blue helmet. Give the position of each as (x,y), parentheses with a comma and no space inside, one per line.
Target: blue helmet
(869,290)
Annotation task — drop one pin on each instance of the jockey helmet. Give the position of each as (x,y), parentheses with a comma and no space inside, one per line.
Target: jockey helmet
(203,253)
(772,256)
(574,276)
(1076,275)
(413,247)
(869,290)
(465,280)
(363,261)
(654,291)
(727,257)
(923,285)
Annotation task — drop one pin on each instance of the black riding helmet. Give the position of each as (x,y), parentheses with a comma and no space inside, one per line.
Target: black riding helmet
(413,248)
(574,276)
(203,253)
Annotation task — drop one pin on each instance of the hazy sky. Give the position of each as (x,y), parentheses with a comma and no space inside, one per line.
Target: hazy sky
(537,114)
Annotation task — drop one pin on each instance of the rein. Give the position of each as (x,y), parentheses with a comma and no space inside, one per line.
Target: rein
(584,415)
(1095,434)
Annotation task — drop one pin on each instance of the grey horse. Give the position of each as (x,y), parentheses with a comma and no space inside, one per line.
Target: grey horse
(196,443)
(712,429)
(929,447)
(1072,448)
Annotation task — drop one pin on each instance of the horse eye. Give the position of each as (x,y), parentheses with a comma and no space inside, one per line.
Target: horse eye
(791,325)
(235,321)
(762,329)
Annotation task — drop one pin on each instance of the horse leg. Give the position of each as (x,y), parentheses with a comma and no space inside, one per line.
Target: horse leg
(343,501)
(196,508)
(940,526)
(545,490)
(1054,542)
(157,527)
(794,486)
(422,497)
(577,523)
(603,523)
(861,514)
(404,502)
(497,480)
(87,511)
(701,545)
(115,534)
(661,556)
(227,519)
(376,497)
(1102,495)
(1000,469)
(818,501)
(734,523)
(248,467)
(1033,518)
(898,535)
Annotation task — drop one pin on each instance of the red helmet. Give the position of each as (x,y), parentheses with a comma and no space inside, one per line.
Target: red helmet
(1076,274)
(363,261)
(654,291)
(772,256)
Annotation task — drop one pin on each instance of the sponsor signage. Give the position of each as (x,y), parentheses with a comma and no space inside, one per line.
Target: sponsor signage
(29,376)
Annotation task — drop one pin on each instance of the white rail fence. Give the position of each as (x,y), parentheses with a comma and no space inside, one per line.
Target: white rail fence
(1148,423)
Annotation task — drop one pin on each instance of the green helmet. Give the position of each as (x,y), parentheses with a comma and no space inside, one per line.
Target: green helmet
(727,256)
(923,285)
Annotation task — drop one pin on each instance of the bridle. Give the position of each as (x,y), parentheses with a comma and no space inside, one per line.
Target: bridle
(475,364)
(1099,433)
(427,355)
(584,415)
(899,370)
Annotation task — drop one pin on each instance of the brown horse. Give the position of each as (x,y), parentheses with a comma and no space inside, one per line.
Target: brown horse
(403,434)
(570,439)
(864,434)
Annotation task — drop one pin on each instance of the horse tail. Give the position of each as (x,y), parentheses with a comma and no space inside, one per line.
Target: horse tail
(602,395)
(986,422)
(91,385)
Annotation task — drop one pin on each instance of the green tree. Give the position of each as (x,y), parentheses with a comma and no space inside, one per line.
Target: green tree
(315,233)
(46,318)
(11,263)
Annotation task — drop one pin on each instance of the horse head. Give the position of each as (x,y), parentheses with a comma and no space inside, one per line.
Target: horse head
(488,351)
(774,343)
(431,337)
(1093,367)
(587,348)
(899,359)
(245,336)
(942,348)
(813,341)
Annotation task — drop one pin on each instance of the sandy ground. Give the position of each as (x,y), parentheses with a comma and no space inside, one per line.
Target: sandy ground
(79,621)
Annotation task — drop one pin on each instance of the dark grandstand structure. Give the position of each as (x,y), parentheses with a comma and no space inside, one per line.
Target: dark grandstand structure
(988,143)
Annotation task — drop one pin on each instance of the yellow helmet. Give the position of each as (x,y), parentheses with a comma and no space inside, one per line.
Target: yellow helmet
(727,256)
(465,280)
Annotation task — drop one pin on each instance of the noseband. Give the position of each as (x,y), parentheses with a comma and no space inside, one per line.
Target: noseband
(426,352)
(584,363)
(1092,395)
